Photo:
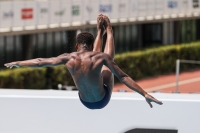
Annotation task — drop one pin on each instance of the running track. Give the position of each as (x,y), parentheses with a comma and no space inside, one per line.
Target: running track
(189,82)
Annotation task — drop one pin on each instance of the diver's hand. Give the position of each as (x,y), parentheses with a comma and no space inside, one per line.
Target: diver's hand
(150,99)
(11,65)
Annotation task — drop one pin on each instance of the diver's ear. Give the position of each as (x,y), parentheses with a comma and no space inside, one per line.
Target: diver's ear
(91,47)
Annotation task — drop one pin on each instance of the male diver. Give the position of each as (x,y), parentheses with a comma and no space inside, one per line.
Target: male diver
(91,68)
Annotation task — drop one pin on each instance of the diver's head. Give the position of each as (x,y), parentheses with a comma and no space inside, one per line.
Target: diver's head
(85,40)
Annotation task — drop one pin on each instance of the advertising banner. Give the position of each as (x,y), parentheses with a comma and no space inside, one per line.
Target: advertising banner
(123,8)
(43,13)
(7,14)
(18,7)
(142,8)
(76,10)
(172,6)
(105,7)
(195,5)
(20,13)
(29,13)
(65,8)
(133,8)
(55,11)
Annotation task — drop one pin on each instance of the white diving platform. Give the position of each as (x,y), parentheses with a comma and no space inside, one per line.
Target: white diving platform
(55,111)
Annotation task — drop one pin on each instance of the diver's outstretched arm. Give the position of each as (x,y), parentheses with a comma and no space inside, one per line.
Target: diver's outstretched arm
(40,62)
(127,80)
(109,47)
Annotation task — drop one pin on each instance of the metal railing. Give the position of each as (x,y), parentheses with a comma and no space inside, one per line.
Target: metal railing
(178,62)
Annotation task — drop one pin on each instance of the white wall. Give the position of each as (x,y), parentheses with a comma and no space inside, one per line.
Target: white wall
(61,112)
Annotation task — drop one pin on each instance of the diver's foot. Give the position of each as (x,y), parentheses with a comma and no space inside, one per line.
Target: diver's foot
(100,21)
(107,23)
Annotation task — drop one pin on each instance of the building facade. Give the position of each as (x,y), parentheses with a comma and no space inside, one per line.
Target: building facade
(46,28)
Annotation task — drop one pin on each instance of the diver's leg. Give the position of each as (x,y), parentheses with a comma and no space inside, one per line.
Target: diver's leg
(108,77)
(100,30)
(109,47)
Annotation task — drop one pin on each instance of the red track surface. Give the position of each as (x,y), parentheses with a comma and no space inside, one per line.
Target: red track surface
(189,82)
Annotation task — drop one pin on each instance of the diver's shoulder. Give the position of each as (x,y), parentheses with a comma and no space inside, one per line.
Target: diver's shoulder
(74,54)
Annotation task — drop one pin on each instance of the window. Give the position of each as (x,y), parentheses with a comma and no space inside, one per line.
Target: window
(152,34)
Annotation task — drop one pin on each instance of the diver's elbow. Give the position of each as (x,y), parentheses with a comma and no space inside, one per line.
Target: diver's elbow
(39,62)
(123,78)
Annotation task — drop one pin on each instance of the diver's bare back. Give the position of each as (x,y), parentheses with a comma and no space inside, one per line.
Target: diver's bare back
(85,68)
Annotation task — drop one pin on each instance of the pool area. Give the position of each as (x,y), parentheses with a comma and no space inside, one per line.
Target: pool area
(53,111)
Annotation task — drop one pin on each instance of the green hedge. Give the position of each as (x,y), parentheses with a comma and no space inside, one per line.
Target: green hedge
(59,75)
(158,60)
(23,78)
(137,64)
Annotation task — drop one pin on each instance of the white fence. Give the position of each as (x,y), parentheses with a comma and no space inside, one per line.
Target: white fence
(62,112)
(178,62)
(17,15)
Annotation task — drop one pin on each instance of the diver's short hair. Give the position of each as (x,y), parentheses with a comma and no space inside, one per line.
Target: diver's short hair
(85,38)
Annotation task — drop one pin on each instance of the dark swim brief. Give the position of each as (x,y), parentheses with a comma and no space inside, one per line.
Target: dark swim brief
(100,104)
